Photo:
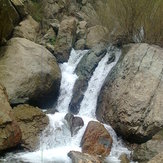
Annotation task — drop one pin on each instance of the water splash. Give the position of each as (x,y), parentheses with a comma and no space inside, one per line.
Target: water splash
(56,140)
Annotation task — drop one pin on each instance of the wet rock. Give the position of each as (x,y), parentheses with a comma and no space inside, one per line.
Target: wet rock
(84,70)
(32,122)
(131,97)
(28,29)
(29,72)
(8,18)
(75,123)
(96,140)
(77,157)
(96,35)
(65,39)
(10,133)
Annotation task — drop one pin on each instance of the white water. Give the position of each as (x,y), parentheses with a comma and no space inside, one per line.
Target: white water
(56,140)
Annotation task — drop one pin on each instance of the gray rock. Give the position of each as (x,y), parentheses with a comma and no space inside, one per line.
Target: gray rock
(131,97)
(84,71)
(75,123)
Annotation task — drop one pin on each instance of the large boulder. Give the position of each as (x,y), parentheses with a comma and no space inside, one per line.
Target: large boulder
(96,140)
(85,70)
(29,72)
(96,35)
(32,122)
(131,97)
(78,157)
(10,134)
(28,29)
(8,18)
(65,39)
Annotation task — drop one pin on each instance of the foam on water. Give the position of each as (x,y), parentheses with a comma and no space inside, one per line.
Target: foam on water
(56,140)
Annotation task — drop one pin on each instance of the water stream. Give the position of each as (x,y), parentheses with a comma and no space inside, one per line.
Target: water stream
(56,140)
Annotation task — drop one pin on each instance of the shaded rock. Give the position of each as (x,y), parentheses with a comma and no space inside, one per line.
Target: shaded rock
(19,6)
(8,18)
(32,122)
(96,140)
(96,35)
(131,97)
(65,39)
(157,159)
(82,157)
(146,151)
(75,123)
(29,72)
(80,44)
(10,134)
(28,29)
(84,70)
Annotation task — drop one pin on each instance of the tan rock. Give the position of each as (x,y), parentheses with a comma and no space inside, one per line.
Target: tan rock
(28,29)
(96,35)
(10,134)
(65,39)
(32,122)
(131,98)
(96,140)
(29,72)
(157,159)
(78,157)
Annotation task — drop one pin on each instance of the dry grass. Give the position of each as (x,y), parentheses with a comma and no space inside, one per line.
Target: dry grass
(128,17)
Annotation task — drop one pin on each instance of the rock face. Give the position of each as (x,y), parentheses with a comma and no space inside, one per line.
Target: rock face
(28,29)
(157,159)
(32,122)
(75,123)
(96,34)
(8,18)
(65,39)
(96,140)
(131,97)
(10,134)
(146,151)
(78,157)
(28,71)
(84,71)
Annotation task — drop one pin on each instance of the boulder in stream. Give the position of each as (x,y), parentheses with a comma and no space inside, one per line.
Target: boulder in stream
(131,97)
(32,122)
(96,140)
(75,123)
(85,70)
(78,157)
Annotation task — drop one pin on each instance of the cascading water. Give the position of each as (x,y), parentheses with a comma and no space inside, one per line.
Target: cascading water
(56,140)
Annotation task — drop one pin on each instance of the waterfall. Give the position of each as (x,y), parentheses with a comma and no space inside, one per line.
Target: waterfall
(56,140)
